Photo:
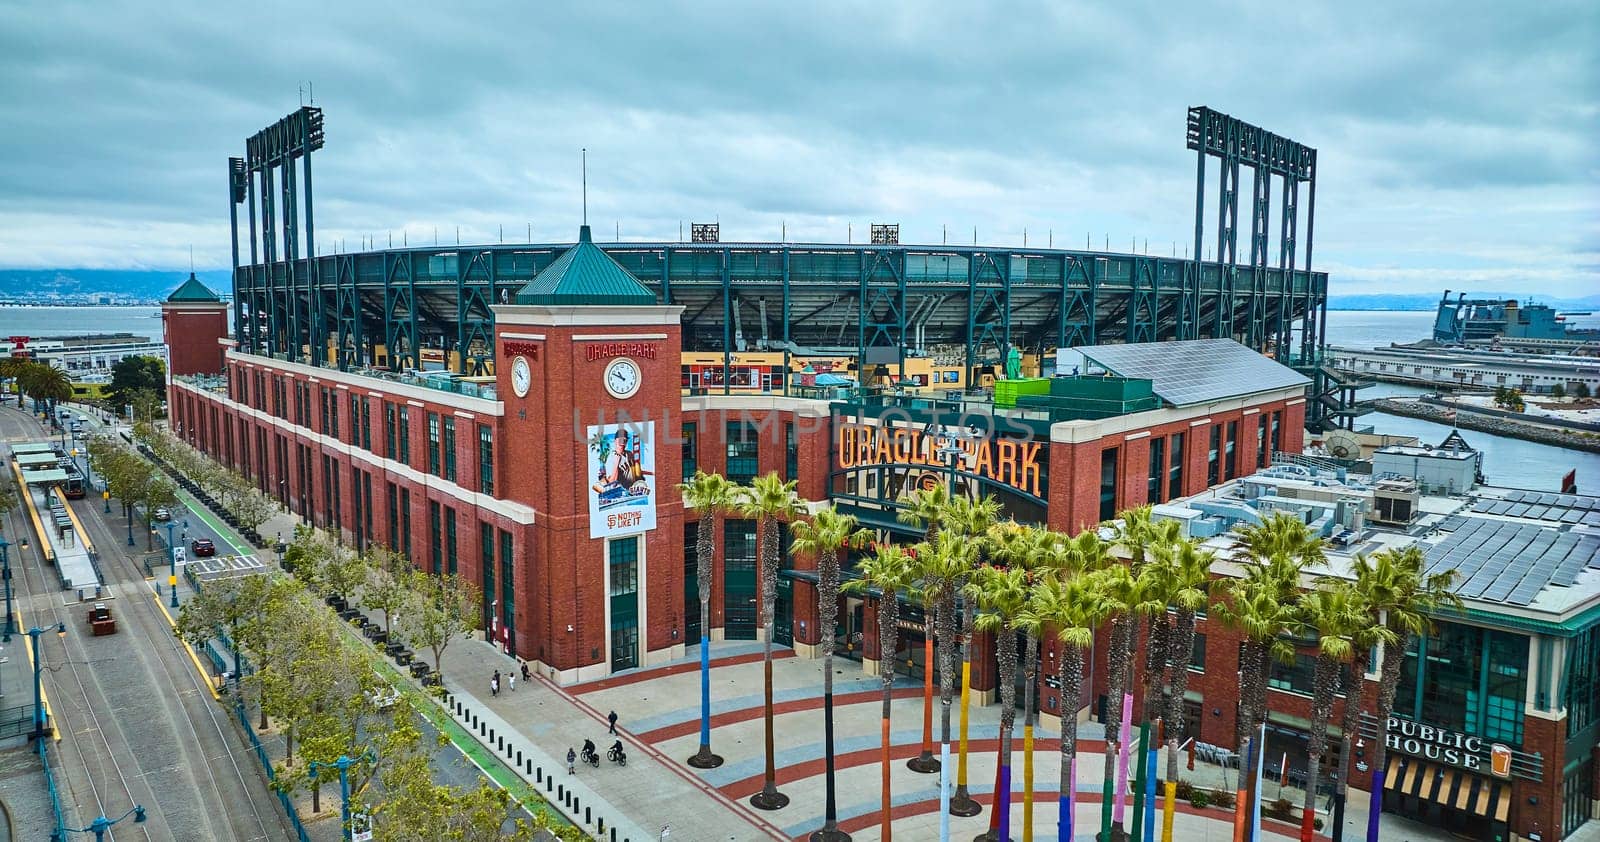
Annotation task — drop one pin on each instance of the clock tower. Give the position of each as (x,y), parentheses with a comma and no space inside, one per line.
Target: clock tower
(588,368)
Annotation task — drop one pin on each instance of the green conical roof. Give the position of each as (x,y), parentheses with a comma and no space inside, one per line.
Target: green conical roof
(193,292)
(585,275)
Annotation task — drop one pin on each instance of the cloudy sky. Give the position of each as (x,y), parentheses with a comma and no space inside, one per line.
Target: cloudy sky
(1459,143)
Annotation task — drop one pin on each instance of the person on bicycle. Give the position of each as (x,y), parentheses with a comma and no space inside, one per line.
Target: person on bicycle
(588,749)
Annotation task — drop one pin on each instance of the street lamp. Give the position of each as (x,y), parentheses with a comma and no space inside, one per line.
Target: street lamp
(106,496)
(99,826)
(38,681)
(172,559)
(5,572)
(344,763)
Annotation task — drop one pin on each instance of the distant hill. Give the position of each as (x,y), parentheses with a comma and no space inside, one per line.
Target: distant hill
(1430,301)
(45,284)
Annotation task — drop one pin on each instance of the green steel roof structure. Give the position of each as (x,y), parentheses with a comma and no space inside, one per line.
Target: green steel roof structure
(193,292)
(33,447)
(585,275)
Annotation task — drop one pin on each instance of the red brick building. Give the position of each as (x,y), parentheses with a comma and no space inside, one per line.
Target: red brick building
(513,482)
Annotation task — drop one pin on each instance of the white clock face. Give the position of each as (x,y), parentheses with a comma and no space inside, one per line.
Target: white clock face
(521,376)
(622,378)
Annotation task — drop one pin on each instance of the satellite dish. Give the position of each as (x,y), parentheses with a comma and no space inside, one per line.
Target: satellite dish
(1342,444)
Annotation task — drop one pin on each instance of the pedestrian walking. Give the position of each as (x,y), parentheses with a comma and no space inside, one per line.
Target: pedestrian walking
(511,681)
(612,718)
(494,686)
(572,758)
(526,676)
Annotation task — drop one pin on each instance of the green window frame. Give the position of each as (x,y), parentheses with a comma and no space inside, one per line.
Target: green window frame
(433,443)
(486,459)
(744,444)
(405,435)
(448,443)
(436,554)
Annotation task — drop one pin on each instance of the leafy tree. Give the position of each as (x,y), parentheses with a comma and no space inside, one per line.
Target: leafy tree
(132,375)
(155,492)
(1558,391)
(446,607)
(770,501)
(1580,390)
(389,583)
(887,570)
(146,405)
(712,497)
(824,536)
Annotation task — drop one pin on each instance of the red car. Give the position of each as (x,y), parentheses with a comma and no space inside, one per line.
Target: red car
(202,546)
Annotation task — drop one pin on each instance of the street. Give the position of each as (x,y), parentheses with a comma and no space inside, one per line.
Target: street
(137,724)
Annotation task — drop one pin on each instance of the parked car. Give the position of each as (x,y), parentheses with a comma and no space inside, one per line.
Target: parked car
(202,546)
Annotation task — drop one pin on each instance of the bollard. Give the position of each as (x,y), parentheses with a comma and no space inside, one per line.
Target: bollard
(587,817)
(519,757)
(602,824)
(613,834)
(539,778)
(561,792)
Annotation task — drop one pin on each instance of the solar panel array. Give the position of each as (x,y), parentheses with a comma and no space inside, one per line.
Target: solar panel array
(1544,505)
(1505,561)
(1195,371)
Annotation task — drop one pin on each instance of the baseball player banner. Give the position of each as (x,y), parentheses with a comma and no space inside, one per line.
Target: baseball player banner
(622,479)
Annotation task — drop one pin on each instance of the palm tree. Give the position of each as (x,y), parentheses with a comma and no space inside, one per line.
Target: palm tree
(887,571)
(823,536)
(1073,605)
(770,501)
(1188,568)
(1122,589)
(924,508)
(44,382)
(941,569)
(1399,592)
(1335,613)
(1042,555)
(1002,593)
(1282,535)
(1255,607)
(970,519)
(711,496)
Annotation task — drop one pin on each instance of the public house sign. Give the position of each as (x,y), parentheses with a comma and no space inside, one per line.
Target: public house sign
(1445,746)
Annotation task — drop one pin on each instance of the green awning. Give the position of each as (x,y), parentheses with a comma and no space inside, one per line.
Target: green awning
(42,477)
(29,460)
(33,447)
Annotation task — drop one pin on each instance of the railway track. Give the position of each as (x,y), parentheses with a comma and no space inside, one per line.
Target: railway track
(138,724)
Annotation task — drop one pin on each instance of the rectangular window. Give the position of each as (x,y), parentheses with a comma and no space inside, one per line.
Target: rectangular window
(449,445)
(690,441)
(743,446)
(1158,470)
(486,551)
(450,540)
(433,443)
(1212,463)
(355,503)
(623,564)
(485,458)
(1297,677)
(508,592)
(791,462)
(388,430)
(1232,467)
(366,423)
(1261,441)
(405,435)
(1108,483)
(1175,468)
(405,522)
(1197,655)
(394,515)
(436,554)
(355,419)
(1472,680)
(333,413)
(1277,438)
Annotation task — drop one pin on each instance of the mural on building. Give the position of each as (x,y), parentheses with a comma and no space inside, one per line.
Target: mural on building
(622,467)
